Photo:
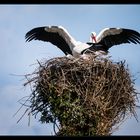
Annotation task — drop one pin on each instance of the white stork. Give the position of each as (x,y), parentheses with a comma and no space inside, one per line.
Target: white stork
(59,36)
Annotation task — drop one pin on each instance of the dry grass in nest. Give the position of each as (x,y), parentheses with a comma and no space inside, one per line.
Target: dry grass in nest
(87,98)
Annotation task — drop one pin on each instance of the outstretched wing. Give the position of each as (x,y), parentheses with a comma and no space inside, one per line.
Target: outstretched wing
(115,36)
(53,34)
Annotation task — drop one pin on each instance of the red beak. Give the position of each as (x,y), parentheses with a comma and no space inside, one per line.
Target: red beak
(94,39)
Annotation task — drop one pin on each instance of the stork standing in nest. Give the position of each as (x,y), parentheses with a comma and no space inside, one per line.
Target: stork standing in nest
(59,36)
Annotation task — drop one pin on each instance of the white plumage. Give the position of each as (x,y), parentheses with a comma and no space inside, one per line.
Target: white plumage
(60,37)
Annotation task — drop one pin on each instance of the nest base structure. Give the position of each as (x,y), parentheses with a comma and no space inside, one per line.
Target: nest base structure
(87,97)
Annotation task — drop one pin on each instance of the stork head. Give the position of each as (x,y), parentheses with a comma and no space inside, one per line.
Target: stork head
(93,37)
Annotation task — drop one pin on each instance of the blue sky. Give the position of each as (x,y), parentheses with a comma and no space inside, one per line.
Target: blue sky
(19,57)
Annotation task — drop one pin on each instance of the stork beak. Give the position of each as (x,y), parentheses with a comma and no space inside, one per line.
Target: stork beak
(93,39)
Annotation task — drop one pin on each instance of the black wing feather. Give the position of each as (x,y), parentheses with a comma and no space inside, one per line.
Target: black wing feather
(40,33)
(126,36)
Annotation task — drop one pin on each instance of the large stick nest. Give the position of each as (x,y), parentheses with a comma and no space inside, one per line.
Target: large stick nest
(87,97)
